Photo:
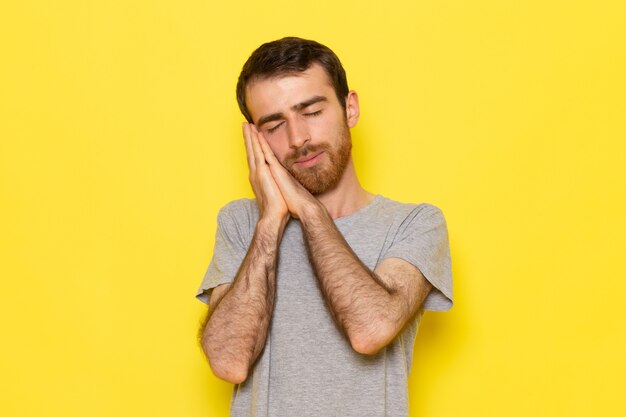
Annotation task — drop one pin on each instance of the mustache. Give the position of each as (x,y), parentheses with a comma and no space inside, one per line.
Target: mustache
(304,151)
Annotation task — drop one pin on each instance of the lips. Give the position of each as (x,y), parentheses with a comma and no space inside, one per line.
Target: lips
(308,161)
(308,158)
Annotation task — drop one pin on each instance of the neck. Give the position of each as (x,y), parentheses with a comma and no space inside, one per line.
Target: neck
(347,197)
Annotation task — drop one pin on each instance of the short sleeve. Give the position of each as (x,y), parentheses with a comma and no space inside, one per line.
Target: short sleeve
(231,246)
(422,240)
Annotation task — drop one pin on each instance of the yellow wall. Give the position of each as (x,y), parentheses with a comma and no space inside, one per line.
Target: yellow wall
(120,139)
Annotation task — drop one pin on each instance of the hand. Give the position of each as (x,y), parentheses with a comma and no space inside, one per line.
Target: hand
(269,199)
(297,198)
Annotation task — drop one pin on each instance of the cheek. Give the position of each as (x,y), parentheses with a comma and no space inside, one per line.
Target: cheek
(279,149)
(326,130)
(326,126)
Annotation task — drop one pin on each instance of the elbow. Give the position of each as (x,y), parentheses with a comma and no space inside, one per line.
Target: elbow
(371,341)
(233,374)
(365,346)
(225,369)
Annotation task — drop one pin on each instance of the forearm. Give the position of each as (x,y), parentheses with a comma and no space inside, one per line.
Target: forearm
(236,330)
(363,305)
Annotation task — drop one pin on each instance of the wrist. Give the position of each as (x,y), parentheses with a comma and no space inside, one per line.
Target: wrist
(272,225)
(313,213)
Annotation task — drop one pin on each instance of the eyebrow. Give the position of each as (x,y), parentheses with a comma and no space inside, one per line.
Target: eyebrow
(296,107)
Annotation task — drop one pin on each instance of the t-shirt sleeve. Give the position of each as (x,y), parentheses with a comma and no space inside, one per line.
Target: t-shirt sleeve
(231,246)
(422,240)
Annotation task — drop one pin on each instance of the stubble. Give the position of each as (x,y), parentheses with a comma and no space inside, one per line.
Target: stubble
(325,175)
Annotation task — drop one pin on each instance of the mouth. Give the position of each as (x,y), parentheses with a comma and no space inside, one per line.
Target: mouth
(309,159)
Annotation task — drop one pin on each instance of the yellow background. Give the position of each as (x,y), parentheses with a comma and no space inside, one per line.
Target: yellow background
(120,140)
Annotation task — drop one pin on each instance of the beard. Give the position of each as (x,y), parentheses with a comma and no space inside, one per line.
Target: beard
(325,175)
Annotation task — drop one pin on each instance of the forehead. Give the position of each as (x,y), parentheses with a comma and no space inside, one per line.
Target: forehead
(278,94)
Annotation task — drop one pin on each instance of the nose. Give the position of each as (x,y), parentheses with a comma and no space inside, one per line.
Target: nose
(298,134)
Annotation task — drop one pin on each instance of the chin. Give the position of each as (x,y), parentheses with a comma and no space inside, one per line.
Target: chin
(319,181)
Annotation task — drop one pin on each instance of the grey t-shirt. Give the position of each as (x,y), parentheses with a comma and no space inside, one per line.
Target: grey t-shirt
(308,368)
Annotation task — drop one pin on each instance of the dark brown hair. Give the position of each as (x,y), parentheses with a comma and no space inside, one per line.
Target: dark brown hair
(289,56)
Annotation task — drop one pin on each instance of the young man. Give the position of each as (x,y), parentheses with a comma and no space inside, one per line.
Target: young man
(316,287)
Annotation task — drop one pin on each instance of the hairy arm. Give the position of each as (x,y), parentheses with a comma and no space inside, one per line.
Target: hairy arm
(371,307)
(235,331)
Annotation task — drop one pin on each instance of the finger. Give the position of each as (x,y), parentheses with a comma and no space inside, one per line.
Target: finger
(279,172)
(267,151)
(248,143)
(259,158)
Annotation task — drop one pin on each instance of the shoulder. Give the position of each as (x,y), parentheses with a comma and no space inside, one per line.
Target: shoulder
(408,211)
(238,213)
(239,208)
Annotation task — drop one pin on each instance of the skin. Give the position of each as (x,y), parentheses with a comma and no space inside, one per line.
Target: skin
(371,307)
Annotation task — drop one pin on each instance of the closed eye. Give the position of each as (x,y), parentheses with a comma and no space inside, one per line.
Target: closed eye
(273,129)
(315,113)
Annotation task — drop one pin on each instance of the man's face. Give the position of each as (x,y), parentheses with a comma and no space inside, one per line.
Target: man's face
(304,124)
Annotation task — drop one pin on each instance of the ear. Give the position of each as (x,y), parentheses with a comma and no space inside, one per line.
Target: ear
(352,109)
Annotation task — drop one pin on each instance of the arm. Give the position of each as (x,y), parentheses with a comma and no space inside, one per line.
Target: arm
(235,331)
(370,307)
